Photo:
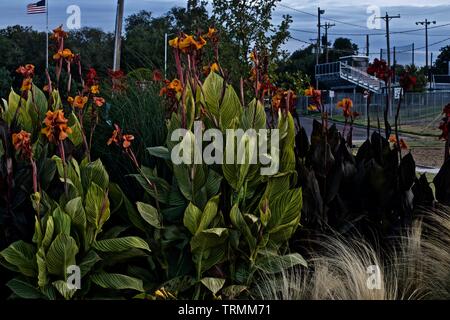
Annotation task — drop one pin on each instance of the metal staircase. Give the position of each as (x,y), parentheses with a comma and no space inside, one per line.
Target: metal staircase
(342,71)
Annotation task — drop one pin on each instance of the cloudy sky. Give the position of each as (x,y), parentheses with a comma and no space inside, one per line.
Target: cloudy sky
(349,16)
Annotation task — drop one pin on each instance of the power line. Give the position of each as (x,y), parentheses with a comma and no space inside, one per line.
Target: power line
(331,19)
(371,34)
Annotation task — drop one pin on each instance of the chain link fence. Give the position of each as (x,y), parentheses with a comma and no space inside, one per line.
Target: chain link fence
(418,109)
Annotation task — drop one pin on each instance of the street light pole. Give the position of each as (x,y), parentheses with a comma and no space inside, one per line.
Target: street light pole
(165,55)
(118,34)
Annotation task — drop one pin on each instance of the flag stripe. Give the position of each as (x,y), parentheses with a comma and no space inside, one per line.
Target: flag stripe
(36,8)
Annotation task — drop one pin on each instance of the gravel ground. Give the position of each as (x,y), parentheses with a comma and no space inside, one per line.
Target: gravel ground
(430,157)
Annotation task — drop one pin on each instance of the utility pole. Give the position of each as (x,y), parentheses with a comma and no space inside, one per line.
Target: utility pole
(387,18)
(367,45)
(319,13)
(426,23)
(118,34)
(327,26)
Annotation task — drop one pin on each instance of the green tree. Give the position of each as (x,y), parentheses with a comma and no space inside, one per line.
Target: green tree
(249,23)
(94,46)
(441,64)
(342,47)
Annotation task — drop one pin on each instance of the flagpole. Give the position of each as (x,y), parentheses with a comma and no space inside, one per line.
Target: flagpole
(46,33)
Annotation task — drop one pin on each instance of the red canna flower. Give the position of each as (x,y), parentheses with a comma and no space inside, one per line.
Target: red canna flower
(118,80)
(157,76)
(26,71)
(99,101)
(91,78)
(446,110)
(380,69)
(407,81)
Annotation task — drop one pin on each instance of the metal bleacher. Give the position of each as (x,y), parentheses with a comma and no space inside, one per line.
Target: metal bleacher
(340,75)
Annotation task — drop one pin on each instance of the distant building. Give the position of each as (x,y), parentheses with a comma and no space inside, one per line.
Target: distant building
(441,82)
(349,73)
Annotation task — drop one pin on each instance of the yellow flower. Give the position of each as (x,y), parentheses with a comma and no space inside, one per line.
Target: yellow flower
(176,85)
(200,44)
(95,89)
(211,33)
(174,42)
(312,108)
(26,84)
(188,43)
(215,67)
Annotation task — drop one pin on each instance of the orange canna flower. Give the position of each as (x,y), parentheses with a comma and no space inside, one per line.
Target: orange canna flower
(95,89)
(403,144)
(215,67)
(392,138)
(276,99)
(127,138)
(212,68)
(98,101)
(78,102)
(315,96)
(26,84)
(309,92)
(346,104)
(176,85)
(187,43)
(174,42)
(22,143)
(66,54)
(56,128)
(58,33)
(211,33)
(116,135)
(200,43)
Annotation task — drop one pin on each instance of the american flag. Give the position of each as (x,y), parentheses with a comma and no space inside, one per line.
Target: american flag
(36,8)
